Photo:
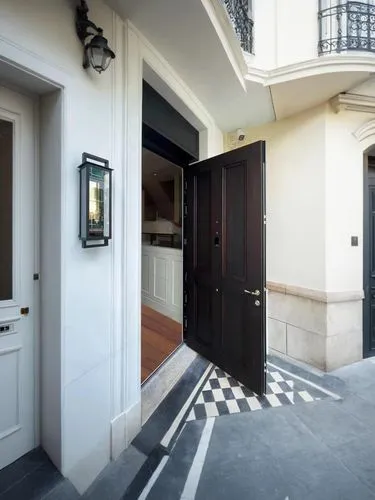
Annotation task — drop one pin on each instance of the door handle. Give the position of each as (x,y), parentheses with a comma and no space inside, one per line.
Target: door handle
(256,293)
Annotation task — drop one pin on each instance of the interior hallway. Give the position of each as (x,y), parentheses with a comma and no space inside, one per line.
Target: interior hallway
(160,337)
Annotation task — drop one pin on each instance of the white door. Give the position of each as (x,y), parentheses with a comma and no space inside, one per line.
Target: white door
(18,240)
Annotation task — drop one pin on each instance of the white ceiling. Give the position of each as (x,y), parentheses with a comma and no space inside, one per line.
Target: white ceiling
(22,81)
(298,95)
(182,31)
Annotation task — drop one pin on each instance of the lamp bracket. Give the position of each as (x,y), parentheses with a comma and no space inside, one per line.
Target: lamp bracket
(83,23)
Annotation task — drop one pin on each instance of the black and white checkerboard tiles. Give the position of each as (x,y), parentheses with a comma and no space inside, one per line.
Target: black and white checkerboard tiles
(222,395)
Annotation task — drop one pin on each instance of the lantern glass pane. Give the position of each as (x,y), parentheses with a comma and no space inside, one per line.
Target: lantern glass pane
(84,228)
(107,205)
(96,203)
(106,60)
(96,58)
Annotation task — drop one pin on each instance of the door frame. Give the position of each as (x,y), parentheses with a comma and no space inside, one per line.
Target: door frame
(366,322)
(159,144)
(37,289)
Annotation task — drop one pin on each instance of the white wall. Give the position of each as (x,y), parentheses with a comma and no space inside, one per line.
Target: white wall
(162,283)
(285,32)
(51,108)
(47,30)
(100,288)
(297,31)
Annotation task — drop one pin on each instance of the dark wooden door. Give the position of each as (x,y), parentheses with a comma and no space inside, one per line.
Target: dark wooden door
(224,313)
(369,262)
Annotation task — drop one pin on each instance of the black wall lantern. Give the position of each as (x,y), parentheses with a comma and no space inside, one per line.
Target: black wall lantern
(96,51)
(95,228)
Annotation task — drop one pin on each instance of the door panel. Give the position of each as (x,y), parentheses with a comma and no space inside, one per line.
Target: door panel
(200,262)
(17,177)
(234,213)
(225,262)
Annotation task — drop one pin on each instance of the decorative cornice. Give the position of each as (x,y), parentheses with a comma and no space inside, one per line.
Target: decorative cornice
(317,295)
(317,66)
(353,102)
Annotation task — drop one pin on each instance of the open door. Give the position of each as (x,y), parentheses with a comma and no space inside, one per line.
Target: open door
(224,298)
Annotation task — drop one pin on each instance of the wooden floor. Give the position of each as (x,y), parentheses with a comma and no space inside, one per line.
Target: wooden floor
(160,337)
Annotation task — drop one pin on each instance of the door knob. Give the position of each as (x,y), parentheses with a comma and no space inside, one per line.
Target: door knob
(256,293)
(257,303)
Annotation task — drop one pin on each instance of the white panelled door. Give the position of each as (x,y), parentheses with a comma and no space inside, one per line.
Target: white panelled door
(18,238)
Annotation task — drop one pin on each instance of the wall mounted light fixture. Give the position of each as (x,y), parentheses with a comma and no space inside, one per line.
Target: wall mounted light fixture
(95,225)
(96,50)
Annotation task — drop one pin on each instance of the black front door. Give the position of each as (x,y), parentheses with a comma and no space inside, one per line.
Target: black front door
(224,313)
(369,262)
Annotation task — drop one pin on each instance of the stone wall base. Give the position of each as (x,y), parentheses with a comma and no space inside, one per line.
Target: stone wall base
(319,328)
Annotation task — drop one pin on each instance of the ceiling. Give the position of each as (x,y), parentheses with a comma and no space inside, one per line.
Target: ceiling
(154,164)
(297,95)
(184,32)
(188,40)
(22,81)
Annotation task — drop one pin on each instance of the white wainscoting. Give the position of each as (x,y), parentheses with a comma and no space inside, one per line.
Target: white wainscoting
(162,286)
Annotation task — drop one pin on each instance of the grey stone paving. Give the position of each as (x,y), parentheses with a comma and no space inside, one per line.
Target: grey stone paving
(317,451)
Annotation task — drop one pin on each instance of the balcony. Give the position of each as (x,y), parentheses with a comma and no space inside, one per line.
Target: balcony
(346,26)
(239,12)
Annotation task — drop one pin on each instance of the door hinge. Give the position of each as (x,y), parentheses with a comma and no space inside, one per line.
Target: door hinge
(185,210)
(185,241)
(265,219)
(185,323)
(36,276)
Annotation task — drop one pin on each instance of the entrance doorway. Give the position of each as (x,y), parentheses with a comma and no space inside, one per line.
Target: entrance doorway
(368,258)
(18,305)
(223,244)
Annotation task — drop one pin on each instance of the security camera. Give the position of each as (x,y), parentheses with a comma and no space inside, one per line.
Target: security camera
(240,134)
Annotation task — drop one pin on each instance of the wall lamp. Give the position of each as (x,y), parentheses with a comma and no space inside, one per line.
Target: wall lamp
(96,50)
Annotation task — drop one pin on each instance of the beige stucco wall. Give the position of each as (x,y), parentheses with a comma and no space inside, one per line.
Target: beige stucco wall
(295,156)
(314,205)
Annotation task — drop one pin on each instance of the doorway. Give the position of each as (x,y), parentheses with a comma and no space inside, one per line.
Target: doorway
(18,302)
(223,243)
(368,258)
(162,261)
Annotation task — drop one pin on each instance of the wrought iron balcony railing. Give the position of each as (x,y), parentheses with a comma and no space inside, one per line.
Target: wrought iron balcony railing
(240,14)
(346,25)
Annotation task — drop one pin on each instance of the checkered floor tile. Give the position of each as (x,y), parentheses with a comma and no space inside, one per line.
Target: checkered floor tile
(222,395)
